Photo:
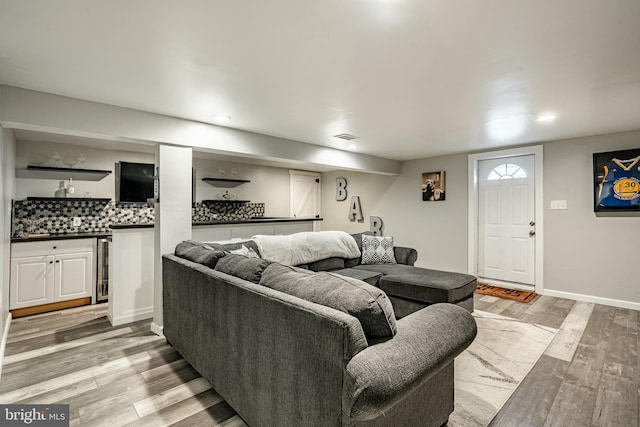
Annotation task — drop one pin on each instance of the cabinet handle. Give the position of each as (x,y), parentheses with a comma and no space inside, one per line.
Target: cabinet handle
(55,247)
(50,262)
(57,260)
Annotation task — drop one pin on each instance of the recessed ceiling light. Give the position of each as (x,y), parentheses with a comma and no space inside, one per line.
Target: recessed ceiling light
(221,118)
(352,147)
(546,118)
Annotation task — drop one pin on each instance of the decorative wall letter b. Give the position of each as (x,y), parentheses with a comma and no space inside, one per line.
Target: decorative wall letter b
(341,189)
(375,225)
(355,210)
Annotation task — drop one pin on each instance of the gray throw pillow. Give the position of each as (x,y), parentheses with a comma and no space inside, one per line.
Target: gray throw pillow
(377,250)
(198,252)
(243,267)
(367,303)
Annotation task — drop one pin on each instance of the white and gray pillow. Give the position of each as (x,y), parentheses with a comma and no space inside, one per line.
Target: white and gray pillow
(377,250)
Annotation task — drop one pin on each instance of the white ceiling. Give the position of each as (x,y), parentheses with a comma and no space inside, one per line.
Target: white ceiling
(410,78)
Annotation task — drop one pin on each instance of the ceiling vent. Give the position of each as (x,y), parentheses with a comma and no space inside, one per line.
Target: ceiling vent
(345,136)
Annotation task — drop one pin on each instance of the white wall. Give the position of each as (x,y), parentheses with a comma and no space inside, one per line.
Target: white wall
(585,255)
(7,190)
(269,185)
(438,230)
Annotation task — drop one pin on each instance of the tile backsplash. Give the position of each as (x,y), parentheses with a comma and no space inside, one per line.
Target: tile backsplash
(56,216)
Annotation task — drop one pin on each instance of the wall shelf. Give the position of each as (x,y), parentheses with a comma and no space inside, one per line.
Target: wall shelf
(225,182)
(46,172)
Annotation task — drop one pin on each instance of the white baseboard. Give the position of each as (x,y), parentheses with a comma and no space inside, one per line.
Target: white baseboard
(131,317)
(590,298)
(3,343)
(157,329)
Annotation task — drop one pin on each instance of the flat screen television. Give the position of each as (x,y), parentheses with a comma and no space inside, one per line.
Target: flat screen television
(616,184)
(134,181)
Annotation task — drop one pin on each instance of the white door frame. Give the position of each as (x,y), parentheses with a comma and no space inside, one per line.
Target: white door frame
(536,151)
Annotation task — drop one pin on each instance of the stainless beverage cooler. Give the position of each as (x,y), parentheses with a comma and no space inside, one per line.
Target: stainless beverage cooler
(102,282)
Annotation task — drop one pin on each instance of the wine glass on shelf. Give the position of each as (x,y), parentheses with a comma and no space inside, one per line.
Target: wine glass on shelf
(38,159)
(70,160)
(55,156)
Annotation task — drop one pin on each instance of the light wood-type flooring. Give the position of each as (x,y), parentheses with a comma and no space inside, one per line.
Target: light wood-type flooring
(126,375)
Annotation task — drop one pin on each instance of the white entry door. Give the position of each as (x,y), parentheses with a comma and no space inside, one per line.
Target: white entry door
(506,219)
(305,194)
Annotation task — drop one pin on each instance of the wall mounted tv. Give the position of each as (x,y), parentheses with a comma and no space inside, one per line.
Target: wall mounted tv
(616,184)
(134,181)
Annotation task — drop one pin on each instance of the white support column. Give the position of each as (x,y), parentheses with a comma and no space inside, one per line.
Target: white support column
(172,214)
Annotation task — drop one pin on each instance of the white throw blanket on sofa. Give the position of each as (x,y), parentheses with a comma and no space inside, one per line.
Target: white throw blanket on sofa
(307,246)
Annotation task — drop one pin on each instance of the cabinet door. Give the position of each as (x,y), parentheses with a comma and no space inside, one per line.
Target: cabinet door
(73,276)
(32,281)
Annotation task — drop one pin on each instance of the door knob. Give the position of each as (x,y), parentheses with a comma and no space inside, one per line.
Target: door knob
(532,233)
(532,223)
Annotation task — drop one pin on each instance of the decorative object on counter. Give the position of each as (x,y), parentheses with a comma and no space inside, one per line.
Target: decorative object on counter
(227,196)
(71,189)
(61,191)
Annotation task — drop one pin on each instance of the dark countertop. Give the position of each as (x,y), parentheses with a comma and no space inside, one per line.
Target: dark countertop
(100,234)
(257,220)
(261,220)
(62,236)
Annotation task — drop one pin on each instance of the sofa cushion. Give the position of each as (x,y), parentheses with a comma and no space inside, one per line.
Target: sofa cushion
(198,252)
(246,268)
(370,277)
(333,263)
(377,250)
(422,284)
(367,303)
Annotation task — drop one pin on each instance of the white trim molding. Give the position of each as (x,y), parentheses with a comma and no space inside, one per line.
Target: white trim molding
(472,245)
(590,298)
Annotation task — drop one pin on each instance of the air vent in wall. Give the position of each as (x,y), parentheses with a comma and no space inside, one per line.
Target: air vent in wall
(345,136)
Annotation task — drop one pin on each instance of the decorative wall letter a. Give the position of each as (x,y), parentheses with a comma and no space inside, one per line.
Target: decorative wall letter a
(355,210)
(341,189)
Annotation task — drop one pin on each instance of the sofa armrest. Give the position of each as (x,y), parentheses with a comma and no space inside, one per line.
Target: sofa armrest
(407,256)
(383,374)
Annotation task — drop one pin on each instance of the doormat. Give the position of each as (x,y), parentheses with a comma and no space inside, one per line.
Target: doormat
(512,294)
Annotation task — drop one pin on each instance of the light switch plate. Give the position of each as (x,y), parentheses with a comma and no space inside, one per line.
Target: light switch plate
(558,204)
(77,221)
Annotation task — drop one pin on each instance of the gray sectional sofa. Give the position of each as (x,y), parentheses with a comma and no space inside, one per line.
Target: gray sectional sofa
(290,346)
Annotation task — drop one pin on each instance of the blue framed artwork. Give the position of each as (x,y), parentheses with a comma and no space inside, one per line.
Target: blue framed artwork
(616,181)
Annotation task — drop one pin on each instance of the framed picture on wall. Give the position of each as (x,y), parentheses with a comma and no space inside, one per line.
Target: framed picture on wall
(616,185)
(433,186)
